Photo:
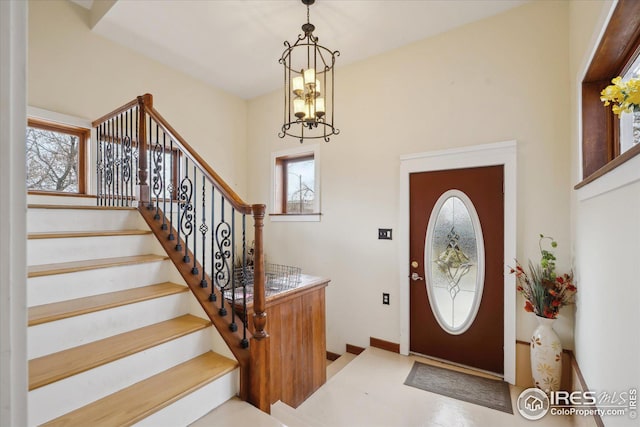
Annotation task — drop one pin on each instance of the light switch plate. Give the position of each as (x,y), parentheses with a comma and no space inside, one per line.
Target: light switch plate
(384,234)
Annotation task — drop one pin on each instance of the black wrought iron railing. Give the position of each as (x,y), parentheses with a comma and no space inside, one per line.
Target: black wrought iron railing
(199,220)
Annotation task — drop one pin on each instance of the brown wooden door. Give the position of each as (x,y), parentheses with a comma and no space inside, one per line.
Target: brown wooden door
(481,345)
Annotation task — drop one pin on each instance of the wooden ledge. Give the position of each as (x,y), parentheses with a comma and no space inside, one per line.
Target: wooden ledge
(72,234)
(63,364)
(80,207)
(142,399)
(76,307)
(71,267)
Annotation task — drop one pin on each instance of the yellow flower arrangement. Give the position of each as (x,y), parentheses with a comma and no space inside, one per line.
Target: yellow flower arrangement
(625,95)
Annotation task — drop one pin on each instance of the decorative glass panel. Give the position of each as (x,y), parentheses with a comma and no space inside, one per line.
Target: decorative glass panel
(454,262)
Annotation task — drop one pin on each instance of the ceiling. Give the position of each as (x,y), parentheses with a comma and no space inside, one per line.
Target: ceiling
(235,44)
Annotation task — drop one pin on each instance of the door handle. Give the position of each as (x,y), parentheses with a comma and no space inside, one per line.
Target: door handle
(415,276)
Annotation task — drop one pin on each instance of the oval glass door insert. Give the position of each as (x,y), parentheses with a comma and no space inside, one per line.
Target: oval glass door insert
(454,262)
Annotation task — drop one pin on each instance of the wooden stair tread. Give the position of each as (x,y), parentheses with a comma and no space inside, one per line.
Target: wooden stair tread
(134,403)
(87,207)
(57,366)
(70,267)
(76,307)
(70,234)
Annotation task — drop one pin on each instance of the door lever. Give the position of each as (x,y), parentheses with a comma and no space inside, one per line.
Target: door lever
(415,276)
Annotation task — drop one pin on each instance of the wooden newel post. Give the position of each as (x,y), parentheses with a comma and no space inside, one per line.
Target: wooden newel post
(259,390)
(143,186)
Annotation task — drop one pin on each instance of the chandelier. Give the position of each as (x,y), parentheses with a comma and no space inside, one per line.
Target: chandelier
(308,86)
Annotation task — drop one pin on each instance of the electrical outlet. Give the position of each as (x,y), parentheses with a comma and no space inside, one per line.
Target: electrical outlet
(385,298)
(384,233)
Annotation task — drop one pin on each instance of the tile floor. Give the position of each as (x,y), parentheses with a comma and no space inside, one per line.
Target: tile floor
(369,391)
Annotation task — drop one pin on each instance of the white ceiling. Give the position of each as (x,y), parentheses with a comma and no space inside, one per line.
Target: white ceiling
(235,44)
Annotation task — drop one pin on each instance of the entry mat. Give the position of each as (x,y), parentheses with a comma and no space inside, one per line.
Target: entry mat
(481,391)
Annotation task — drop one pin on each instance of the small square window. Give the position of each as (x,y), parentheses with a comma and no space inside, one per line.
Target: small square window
(298,188)
(295,183)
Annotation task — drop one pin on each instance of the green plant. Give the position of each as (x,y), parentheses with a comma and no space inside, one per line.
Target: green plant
(544,290)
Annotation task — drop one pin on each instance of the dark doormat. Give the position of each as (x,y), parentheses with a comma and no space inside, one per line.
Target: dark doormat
(481,391)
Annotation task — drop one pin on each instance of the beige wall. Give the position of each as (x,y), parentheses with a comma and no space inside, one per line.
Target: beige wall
(499,79)
(606,230)
(76,72)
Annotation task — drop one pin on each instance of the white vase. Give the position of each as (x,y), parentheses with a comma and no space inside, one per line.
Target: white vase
(546,356)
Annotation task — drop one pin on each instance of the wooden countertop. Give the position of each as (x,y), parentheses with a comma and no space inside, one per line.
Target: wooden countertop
(307,283)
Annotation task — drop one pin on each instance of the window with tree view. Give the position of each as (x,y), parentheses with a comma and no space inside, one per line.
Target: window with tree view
(298,189)
(55,157)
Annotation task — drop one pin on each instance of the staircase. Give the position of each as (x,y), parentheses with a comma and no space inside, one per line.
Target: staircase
(114,338)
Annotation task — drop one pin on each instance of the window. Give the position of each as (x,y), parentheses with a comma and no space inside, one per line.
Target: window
(56,157)
(295,191)
(630,123)
(606,142)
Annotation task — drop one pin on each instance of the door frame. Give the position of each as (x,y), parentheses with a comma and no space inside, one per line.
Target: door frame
(496,154)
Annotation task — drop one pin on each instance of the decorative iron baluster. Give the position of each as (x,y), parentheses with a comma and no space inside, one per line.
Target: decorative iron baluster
(150,155)
(158,166)
(212,295)
(164,180)
(171,189)
(126,159)
(222,271)
(179,167)
(186,219)
(245,316)
(203,230)
(136,152)
(109,164)
(119,157)
(232,326)
(194,269)
(130,161)
(99,163)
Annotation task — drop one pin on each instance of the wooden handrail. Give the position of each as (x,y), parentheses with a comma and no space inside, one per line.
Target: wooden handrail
(148,100)
(254,361)
(187,150)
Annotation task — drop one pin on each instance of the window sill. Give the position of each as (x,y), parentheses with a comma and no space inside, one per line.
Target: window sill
(621,171)
(278,217)
(58,193)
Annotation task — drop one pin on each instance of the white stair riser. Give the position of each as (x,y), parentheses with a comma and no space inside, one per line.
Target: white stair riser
(48,251)
(52,220)
(195,405)
(60,335)
(62,287)
(66,395)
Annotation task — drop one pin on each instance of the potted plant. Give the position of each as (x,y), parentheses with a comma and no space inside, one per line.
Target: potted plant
(545,293)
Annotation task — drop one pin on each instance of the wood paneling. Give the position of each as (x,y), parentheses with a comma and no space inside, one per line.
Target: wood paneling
(298,342)
(354,349)
(384,345)
(332,356)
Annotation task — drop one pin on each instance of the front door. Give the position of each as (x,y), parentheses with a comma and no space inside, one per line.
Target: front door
(457,266)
